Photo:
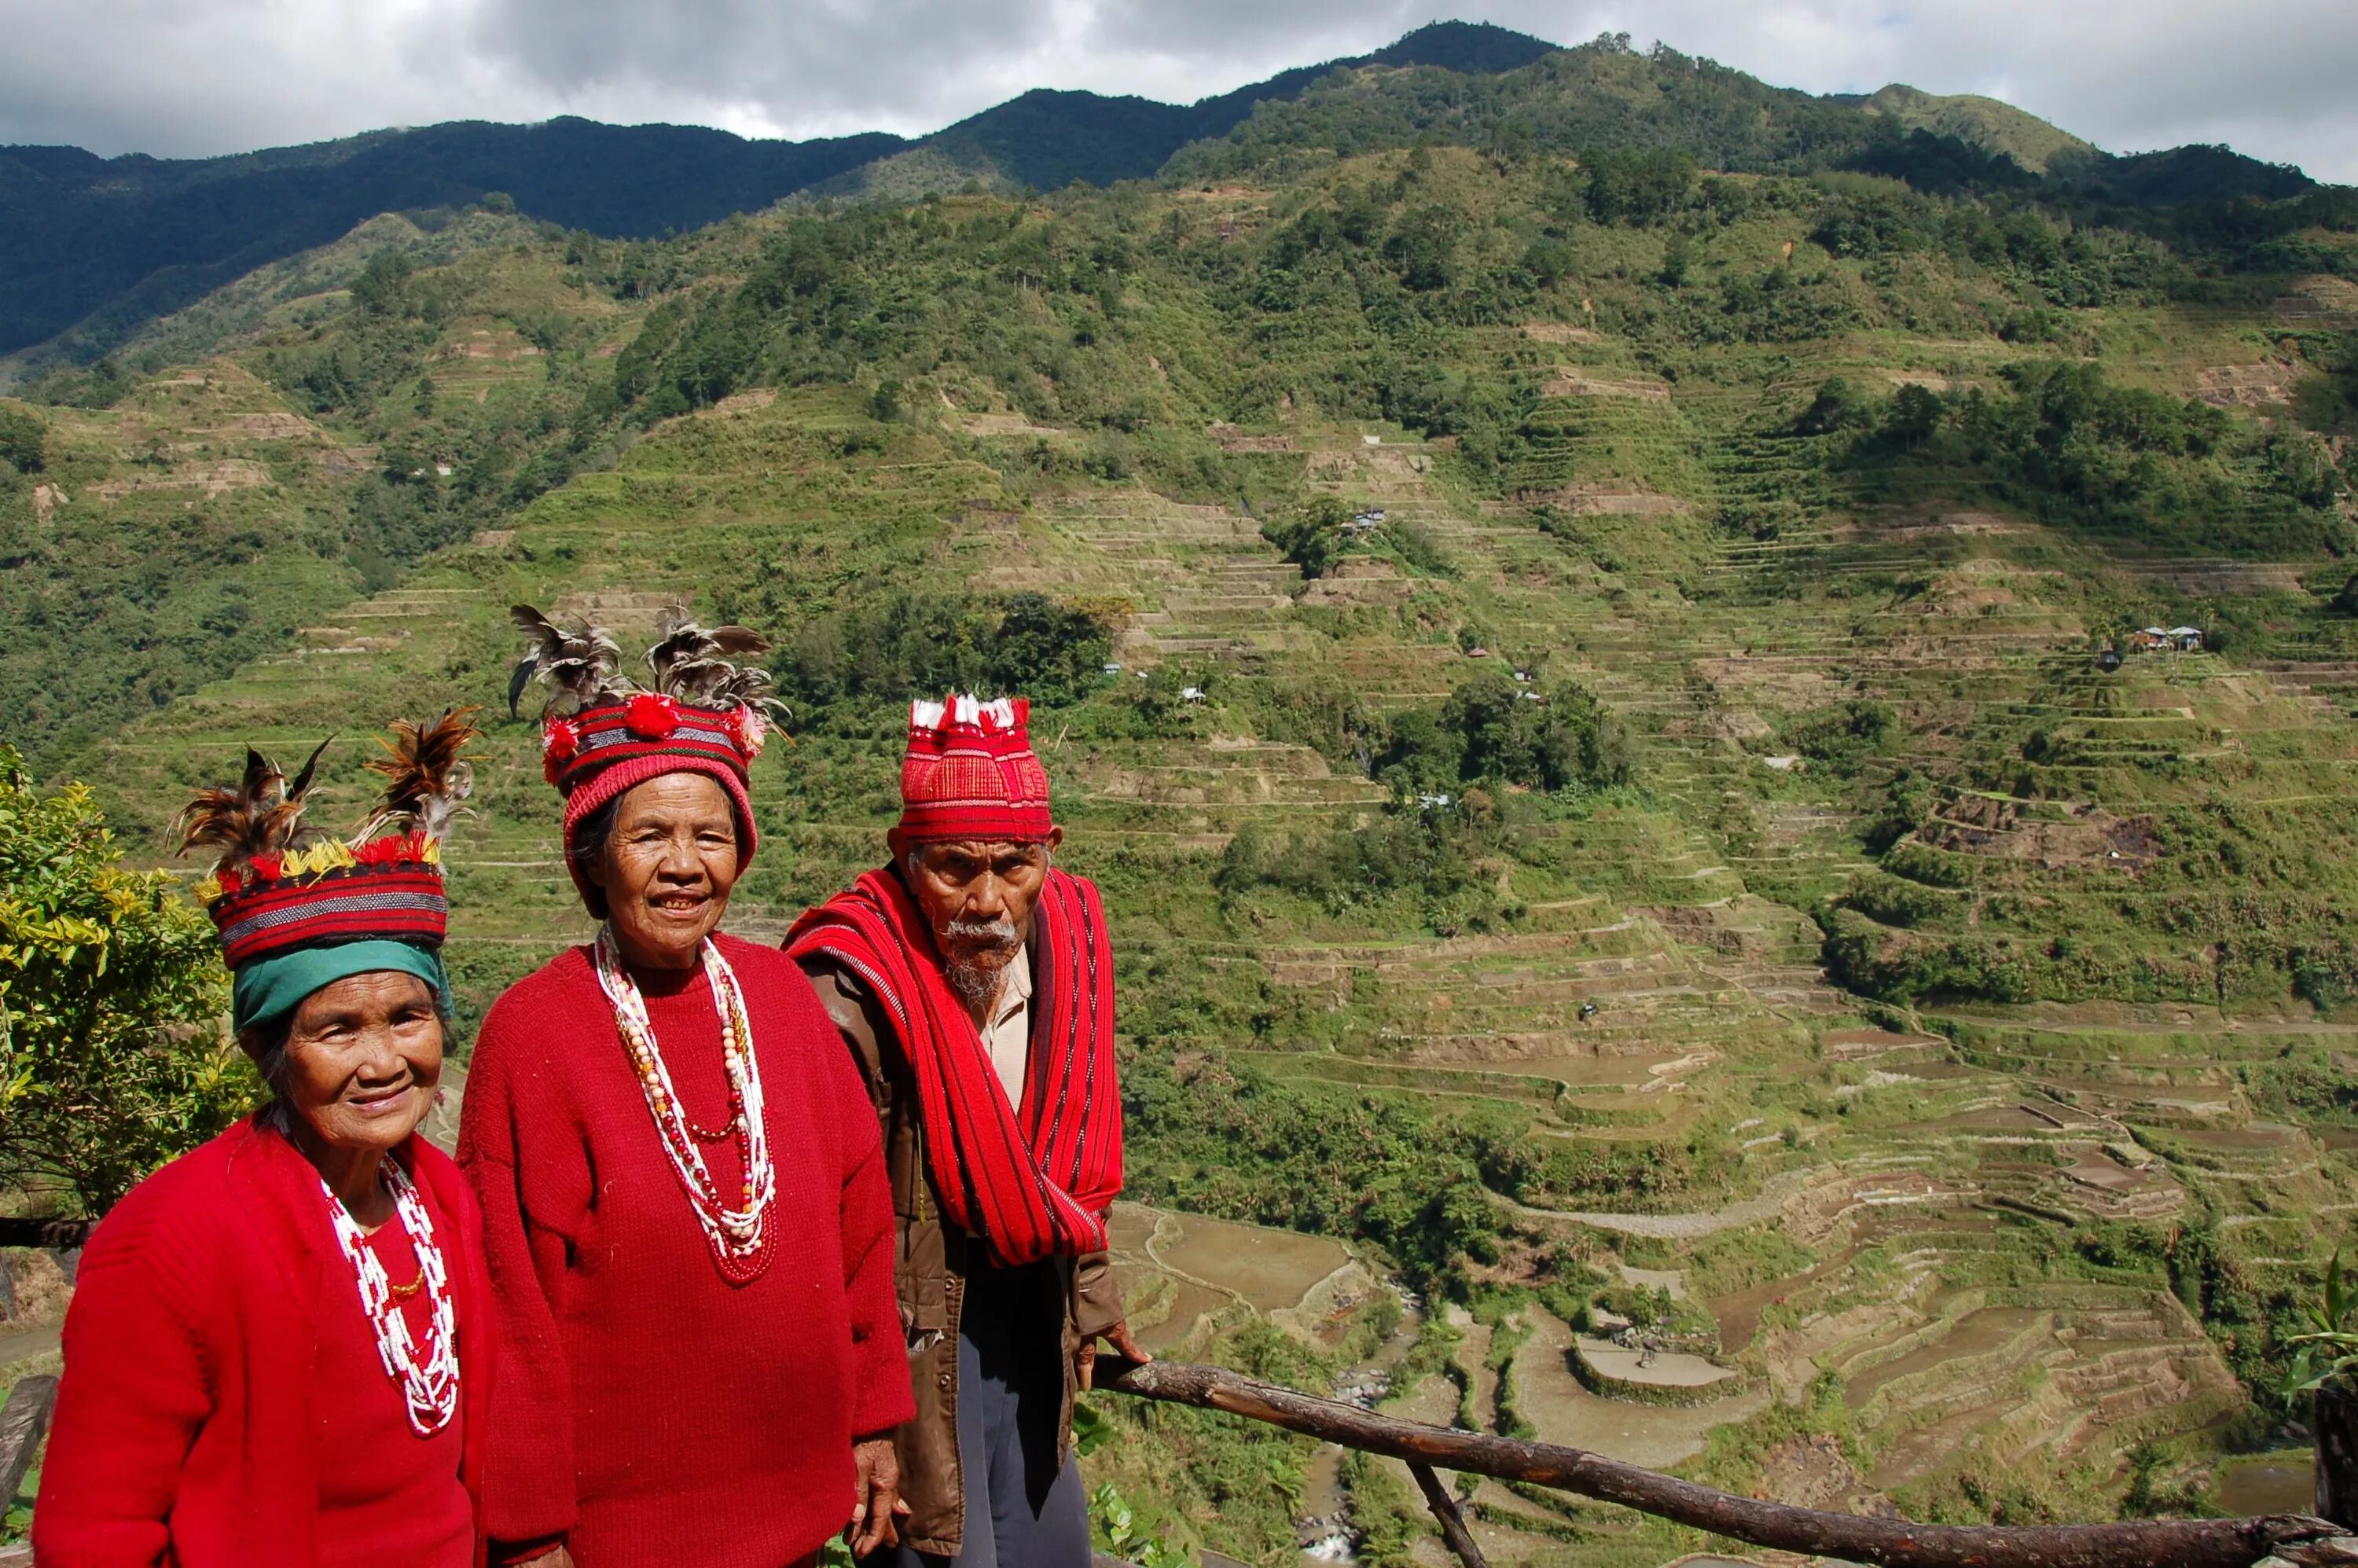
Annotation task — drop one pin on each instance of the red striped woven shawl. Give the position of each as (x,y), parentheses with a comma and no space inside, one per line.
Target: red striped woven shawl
(1030,1185)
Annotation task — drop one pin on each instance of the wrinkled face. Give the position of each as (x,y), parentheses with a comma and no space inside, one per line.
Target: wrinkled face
(364,1055)
(668,866)
(978,896)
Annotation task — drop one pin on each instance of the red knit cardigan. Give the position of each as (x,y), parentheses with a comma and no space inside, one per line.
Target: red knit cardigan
(648,1411)
(185,1430)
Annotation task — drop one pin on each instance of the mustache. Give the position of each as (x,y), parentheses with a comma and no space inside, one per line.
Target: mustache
(993,934)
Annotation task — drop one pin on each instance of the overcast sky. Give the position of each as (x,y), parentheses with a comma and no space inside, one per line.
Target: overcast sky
(2278,78)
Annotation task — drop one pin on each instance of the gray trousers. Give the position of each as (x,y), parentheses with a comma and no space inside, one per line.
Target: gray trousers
(1023,1509)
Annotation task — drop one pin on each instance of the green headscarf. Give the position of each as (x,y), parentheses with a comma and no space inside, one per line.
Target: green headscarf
(267,990)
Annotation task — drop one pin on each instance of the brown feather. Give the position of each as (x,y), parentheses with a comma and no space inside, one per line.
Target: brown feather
(425,779)
(263,814)
(686,657)
(738,640)
(581,662)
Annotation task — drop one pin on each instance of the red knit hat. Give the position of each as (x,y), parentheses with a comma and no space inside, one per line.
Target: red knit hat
(599,753)
(705,715)
(970,773)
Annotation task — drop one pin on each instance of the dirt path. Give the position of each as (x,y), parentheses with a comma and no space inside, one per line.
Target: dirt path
(27,1346)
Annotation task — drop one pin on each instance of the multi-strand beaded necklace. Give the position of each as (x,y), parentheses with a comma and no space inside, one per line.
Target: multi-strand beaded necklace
(739,1237)
(428,1383)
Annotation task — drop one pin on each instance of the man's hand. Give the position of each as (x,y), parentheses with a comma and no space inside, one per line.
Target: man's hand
(1085,1360)
(876,1505)
(555,1556)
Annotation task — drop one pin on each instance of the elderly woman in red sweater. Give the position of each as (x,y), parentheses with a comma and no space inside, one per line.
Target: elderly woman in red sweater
(682,1178)
(279,1350)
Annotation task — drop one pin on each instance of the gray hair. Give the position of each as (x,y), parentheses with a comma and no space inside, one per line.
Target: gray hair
(585,853)
(585,849)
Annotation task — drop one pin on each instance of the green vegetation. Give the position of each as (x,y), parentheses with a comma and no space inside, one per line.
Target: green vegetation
(1237,1142)
(112,1057)
(882,652)
(1170,1480)
(24,440)
(2061,441)
(1724,823)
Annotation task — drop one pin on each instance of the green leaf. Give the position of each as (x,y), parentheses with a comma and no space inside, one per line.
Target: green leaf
(1091,1430)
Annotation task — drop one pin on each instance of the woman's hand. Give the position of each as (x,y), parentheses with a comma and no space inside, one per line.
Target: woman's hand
(876,1505)
(1085,1359)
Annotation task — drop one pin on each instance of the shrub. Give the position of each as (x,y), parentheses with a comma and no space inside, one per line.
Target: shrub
(112,1057)
(24,440)
(1312,536)
(914,644)
(1564,738)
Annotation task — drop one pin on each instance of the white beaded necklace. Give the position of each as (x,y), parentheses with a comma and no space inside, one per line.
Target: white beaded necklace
(739,1236)
(429,1385)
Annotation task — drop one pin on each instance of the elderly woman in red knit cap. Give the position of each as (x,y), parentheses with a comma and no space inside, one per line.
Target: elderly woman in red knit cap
(683,1187)
(279,1347)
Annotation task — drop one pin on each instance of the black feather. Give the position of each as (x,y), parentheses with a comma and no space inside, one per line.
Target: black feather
(261,775)
(302,784)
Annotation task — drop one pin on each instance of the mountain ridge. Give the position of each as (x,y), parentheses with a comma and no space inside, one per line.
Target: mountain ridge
(1989,123)
(96,248)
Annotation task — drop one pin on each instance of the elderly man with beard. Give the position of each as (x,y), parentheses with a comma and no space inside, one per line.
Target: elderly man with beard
(973,982)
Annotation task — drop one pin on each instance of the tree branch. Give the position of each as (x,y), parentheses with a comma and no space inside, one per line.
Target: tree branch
(52,1234)
(2295,1538)
(1444,1509)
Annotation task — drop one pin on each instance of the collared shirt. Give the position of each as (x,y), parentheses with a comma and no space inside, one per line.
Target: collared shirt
(1008,1035)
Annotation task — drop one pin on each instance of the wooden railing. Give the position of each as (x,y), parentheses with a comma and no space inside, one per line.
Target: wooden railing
(2277,1539)
(2281,1540)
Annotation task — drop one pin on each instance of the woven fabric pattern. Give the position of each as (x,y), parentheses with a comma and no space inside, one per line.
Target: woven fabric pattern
(1034,1183)
(970,773)
(399,899)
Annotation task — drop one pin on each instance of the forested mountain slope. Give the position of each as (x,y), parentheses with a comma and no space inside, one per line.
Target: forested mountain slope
(101,245)
(92,249)
(1688,861)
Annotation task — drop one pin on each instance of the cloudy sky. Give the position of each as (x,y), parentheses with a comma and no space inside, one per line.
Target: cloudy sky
(2278,78)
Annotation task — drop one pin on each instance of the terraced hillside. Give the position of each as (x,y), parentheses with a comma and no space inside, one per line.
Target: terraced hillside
(1680,893)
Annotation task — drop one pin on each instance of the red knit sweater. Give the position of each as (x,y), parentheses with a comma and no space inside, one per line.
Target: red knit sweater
(646,1407)
(189,1422)
(386,1495)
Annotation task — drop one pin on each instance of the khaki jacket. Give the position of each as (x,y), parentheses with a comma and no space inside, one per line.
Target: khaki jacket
(931,1261)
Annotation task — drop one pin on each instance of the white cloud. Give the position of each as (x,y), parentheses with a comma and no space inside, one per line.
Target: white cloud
(206,76)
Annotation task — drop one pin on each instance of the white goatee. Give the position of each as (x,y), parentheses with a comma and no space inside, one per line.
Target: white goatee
(979,976)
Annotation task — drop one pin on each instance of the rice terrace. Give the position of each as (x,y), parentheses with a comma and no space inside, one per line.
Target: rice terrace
(1716,725)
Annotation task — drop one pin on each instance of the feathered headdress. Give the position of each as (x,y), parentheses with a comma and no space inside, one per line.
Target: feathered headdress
(699,703)
(581,664)
(280,885)
(259,818)
(426,781)
(702,710)
(689,665)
